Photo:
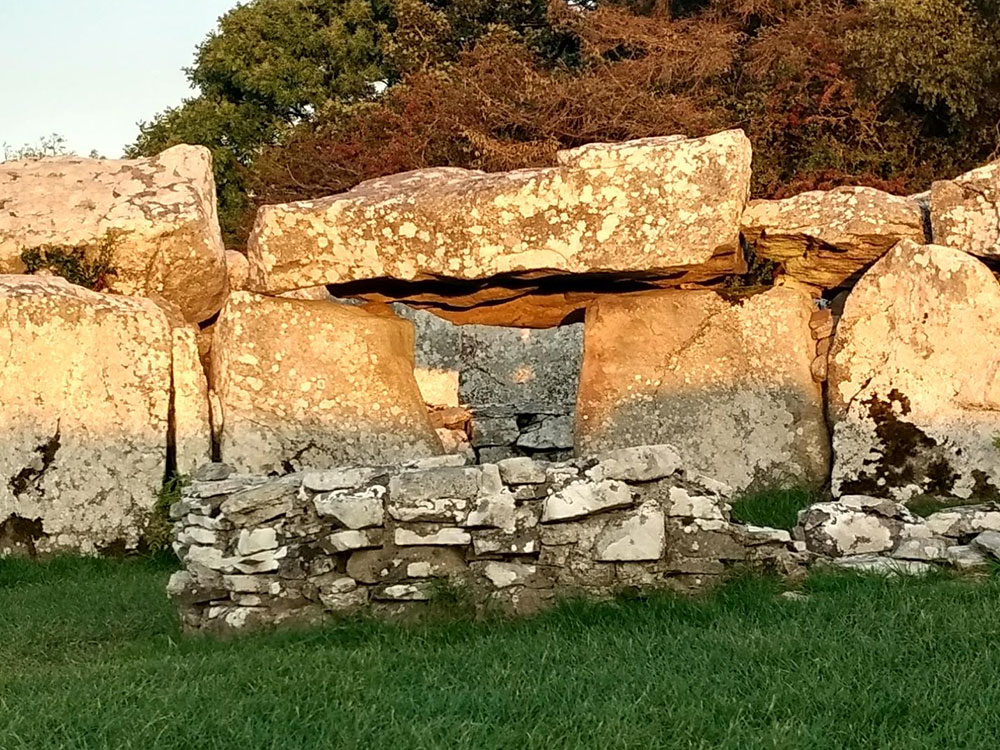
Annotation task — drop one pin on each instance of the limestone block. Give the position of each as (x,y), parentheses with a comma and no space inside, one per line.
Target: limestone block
(488,431)
(639,536)
(548,433)
(353,509)
(665,205)
(728,384)
(237,270)
(582,498)
(856,525)
(316,384)
(964,211)
(84,401)
(966,521)
(163,210)
(446,537)
(390,565)
(828,238)
(914,390)
(523,470)
(644,463)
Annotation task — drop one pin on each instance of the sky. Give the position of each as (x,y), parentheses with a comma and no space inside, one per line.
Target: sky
(90,70)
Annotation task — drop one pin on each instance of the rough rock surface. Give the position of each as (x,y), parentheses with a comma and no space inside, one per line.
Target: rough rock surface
(262,551)
(965,212)
(659,205)
(238,270)
(873,534)
(84,400)
(163,208)
(828,238)
(728,384)
(914,389)
(318,384)
(192,427)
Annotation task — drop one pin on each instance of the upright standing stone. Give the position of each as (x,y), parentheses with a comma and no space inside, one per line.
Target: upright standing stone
(84,399)
(914,386)
(727,383)
(192,428)
(162,211)
(316,384)
(965,212)
(665,205)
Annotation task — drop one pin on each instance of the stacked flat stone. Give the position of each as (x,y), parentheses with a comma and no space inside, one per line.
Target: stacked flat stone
(515,535)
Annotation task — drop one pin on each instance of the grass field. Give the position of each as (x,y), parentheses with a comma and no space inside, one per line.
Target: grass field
(91,657)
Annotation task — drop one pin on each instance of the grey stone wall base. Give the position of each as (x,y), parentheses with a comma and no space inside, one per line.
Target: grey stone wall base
(514,537)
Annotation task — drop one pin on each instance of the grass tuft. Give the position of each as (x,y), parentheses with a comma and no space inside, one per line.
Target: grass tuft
(778,509)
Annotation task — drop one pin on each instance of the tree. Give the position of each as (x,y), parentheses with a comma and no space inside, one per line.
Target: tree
(269,65)
(890,93)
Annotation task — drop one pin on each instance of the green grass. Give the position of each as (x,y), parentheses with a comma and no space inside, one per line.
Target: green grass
(91,657)
(778,509)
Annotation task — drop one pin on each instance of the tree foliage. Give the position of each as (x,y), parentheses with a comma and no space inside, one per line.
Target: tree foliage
(302,98)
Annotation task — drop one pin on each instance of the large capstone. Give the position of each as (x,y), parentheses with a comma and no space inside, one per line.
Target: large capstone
(727,383)
(914,385)
(84,400)
(659,206)
(317,384)
(828,238)
(964,211)
(158,216)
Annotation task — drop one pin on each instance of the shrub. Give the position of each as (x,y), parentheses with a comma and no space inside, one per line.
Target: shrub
(89,266)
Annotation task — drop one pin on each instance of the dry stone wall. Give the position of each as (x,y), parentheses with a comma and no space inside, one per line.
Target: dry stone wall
(513,536)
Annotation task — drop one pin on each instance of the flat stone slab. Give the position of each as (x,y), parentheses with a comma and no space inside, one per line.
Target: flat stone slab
(828,238)
(657,205)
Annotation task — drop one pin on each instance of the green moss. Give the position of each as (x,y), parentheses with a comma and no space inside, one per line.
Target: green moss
(89,266)
(926,505)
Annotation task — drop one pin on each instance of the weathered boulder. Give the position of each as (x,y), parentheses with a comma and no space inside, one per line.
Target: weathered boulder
(655,206)
(161,213)
(914,389)
(727,383)
(828,238)
(317,384)
(859,525)
(965,212)
(84,400)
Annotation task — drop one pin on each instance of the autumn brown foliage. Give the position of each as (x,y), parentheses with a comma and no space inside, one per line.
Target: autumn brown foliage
(805,78)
